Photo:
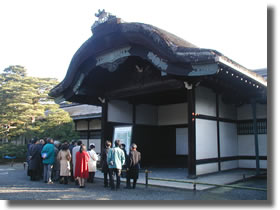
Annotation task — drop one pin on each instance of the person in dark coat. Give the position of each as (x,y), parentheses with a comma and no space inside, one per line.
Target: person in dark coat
(133,166)
(125,166)
(104,164)
(35,161)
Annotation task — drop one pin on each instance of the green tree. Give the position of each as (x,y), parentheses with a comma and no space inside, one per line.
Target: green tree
(25,108)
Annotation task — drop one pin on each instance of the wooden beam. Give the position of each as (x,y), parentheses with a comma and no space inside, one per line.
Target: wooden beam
(153,87)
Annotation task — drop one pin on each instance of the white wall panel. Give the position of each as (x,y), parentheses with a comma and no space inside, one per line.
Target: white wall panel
(205,101)
(182,141)
(262,139)
(228,111)
(247,163)
(245,112)
(246,145)
(261,111)
(206,168)
(226,165)
(146,114)
(252,164)
(228,139)
(173,114)
(206,139)
(119,111)
(263,164)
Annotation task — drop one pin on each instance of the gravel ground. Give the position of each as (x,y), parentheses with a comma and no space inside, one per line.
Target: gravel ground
(15,185)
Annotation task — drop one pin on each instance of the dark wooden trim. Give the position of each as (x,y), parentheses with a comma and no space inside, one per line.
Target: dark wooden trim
(175,126)
(191,134)
(245,157)
(208,117)
(258,120)
(218,131)
(223,159)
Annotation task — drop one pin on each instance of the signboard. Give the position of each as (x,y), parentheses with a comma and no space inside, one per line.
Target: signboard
(123,133)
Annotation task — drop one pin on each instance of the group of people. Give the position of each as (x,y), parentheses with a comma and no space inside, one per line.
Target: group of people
(52,161)
(115,160)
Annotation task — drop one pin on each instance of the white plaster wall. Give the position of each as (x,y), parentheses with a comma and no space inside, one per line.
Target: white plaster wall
(246,145)
(252,164)
(206,139)
(173,114)
(261,111)
(146,114)
(245,112)
(228,111)
(205,101)
(182,141)
(226,165)
(82,125)
(95,124)
(263,164)
(119,111)
(262,139)
(228,139)
(206,168)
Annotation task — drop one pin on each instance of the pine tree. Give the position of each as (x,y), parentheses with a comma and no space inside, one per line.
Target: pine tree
(26,110)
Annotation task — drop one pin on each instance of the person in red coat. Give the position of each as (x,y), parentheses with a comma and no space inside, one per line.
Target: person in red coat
(81,168)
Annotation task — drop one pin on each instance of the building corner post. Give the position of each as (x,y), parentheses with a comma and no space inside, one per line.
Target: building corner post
(191,133)
(254,112)
(104,119)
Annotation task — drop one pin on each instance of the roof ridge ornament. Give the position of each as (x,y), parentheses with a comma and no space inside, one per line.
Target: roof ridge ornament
(103,17)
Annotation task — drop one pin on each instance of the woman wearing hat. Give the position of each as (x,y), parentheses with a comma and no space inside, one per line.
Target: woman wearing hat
(92,162)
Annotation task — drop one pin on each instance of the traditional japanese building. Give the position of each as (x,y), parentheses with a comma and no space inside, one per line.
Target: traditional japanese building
(184,106)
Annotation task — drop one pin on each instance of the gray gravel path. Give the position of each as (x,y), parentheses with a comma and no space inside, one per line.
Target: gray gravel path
(15,185)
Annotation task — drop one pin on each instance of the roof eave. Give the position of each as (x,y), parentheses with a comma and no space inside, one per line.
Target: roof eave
(242,70)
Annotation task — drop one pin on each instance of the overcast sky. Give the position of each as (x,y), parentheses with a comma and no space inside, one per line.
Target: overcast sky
(44,35)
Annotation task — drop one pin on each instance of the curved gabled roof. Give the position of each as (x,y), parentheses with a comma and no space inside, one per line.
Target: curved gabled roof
(118,33)
(167,52)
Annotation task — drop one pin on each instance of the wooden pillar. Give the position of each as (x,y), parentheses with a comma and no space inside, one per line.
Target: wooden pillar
(254,111)
(218,131)
(191,134)
(104,119)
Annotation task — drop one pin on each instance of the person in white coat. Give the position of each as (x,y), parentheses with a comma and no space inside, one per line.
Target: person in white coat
(93,158)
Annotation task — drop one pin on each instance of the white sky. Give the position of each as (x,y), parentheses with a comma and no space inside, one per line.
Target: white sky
(44,35)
